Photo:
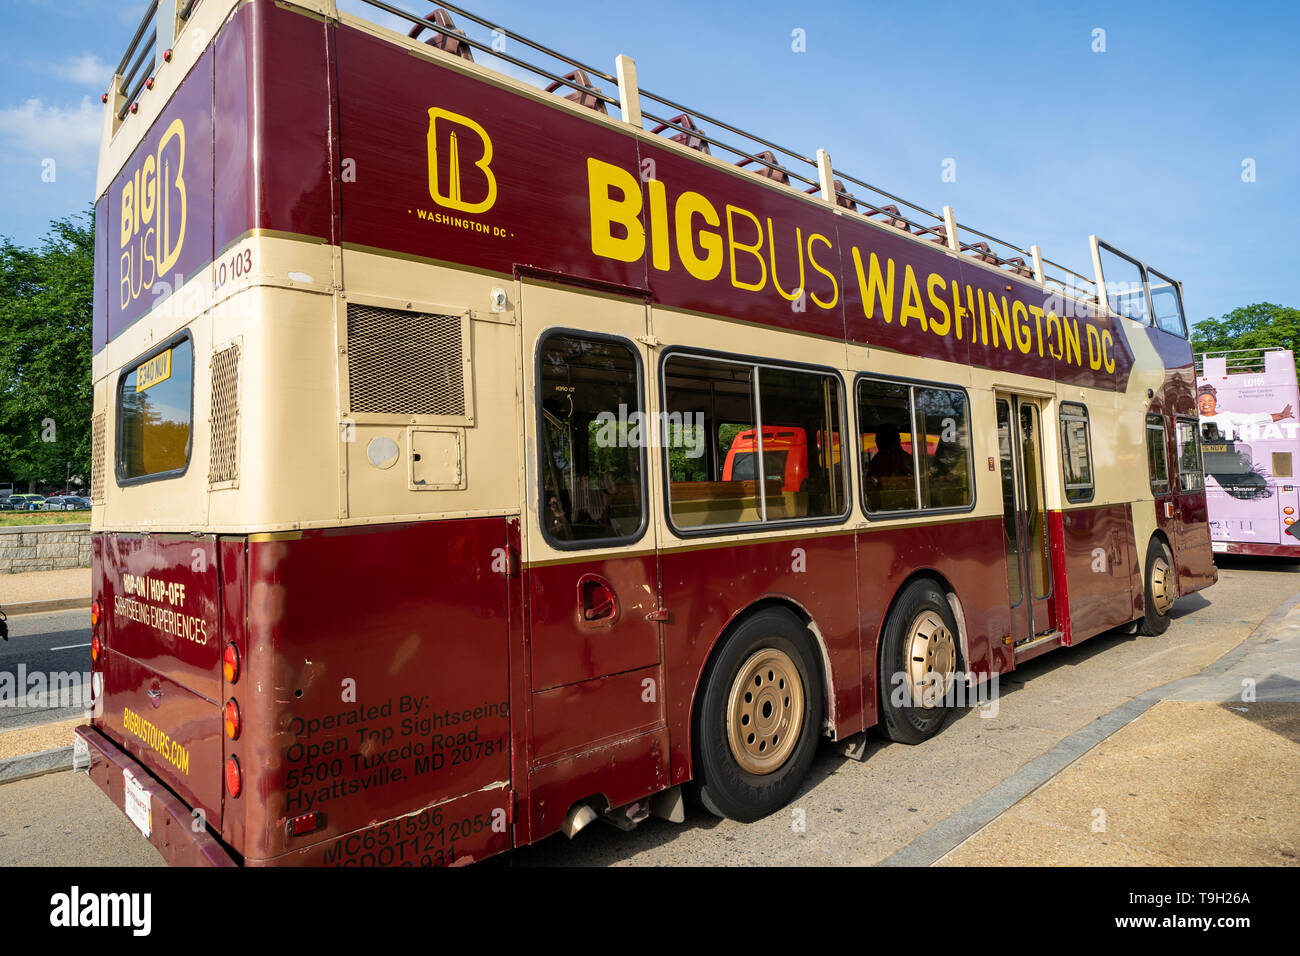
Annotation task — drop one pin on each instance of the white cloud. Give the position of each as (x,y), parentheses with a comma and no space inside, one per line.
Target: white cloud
(69,134)
(85,70)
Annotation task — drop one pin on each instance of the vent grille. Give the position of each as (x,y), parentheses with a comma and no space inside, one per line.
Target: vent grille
(224,460)
(405,363)
(97,459)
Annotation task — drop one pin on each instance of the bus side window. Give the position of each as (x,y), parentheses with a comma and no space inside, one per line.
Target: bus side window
(1076,452)
(589,414)
(888,453)
(1191,475)
(1157,459)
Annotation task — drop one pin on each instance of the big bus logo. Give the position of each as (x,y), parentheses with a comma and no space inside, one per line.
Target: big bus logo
(456,179)
(153,215)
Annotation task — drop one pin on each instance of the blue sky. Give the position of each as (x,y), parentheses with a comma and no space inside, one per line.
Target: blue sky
(1142,144)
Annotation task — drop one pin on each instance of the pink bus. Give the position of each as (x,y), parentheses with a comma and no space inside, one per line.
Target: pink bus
(1250,437)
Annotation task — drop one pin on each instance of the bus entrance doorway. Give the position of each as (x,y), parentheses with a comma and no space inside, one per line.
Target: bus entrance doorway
(1024,510)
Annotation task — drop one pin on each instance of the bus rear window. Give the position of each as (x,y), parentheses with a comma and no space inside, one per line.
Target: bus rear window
(155,414)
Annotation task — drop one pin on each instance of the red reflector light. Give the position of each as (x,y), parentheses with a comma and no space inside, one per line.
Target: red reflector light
(94,649)
(232,719)
(95,613)
(304,824)
(230,664)
(234,777)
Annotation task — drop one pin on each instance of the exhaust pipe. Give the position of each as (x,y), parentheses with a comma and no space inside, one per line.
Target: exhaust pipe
(579,815)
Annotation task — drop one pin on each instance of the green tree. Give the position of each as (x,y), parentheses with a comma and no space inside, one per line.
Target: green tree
(1259,326)
(45,355)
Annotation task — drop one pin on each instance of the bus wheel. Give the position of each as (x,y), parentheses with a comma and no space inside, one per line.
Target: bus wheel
(1161,588)
(759,718)
(918,664)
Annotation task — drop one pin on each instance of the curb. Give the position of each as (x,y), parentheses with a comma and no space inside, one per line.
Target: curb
(39,607)
(33,765)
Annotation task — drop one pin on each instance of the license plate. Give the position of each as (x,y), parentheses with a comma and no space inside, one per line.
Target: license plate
(137,803)
(1220,547)
(1214,448)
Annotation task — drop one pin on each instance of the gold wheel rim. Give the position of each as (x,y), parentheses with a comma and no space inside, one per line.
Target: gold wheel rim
(931,660)
(1162,585)
(765,711)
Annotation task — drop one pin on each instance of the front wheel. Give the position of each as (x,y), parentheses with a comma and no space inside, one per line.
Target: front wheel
(759,718)
(1160,588)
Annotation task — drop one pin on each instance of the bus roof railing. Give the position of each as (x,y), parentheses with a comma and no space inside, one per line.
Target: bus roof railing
(597,89)
(1238,360)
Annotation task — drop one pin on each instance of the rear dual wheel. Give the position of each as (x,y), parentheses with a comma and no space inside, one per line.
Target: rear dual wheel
(918,664)
(759,718)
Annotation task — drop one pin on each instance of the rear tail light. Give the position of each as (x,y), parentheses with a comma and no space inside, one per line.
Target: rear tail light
(95,649)
(1288,511)
(96,612)
(233,725)
(234,777)
(230,664)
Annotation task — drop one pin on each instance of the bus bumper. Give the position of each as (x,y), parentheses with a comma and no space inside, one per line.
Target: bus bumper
(171,830)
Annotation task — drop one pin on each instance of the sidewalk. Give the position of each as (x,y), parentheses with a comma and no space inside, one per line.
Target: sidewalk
(31,591)
(1201,773)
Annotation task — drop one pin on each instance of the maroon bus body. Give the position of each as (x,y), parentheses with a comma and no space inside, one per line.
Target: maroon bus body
(427,702)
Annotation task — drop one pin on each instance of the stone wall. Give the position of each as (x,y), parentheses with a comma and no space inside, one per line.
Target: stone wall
(44,547)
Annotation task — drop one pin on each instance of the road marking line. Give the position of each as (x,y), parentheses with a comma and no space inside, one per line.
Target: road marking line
(68,647)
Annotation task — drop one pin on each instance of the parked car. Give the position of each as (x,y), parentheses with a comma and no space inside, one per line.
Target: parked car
(15,502)
(35,502)
(55,503)
(78,503)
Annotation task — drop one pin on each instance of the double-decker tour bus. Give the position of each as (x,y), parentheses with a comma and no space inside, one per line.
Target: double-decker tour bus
(416,386)
(1250,438)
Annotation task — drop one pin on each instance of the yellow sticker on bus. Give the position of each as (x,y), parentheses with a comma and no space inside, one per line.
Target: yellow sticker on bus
(155,370)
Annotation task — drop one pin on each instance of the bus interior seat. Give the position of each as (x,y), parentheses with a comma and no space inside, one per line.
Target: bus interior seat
(583,91)
(691,140)
(455,45)
(777,175)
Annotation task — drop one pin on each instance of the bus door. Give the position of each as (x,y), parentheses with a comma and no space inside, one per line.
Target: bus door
(592,567)
(1024,517)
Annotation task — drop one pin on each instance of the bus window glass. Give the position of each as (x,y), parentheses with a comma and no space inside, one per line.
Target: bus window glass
(154,413)
(1076,452)
(1124,286)
(711,445)
(1157,461)
(943,447)
(1190,475)
(592,439)
(1166,303)
(800,412)
(888,462)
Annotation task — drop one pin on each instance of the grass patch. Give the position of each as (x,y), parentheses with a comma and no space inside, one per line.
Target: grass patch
(9,519)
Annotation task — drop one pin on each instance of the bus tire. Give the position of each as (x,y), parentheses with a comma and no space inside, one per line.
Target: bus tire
(759,718)
(920,639)
(1160,588)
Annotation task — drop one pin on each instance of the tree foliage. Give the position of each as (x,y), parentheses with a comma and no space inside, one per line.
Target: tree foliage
(45,355)
(1259,326)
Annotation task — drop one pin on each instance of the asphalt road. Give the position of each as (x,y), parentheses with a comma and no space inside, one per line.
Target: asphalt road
(57,643)
(847,812)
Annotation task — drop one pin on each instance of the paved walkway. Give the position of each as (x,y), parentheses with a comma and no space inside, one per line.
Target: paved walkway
(1202,772)
(41,588)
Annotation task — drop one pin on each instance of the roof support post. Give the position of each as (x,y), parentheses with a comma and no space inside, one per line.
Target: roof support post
(629,96)
(826,177)
(1039,274)
(950,226)
(1102,301)
(165,23)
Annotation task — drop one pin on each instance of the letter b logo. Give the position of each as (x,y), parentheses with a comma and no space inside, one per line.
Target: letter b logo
(457,179)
